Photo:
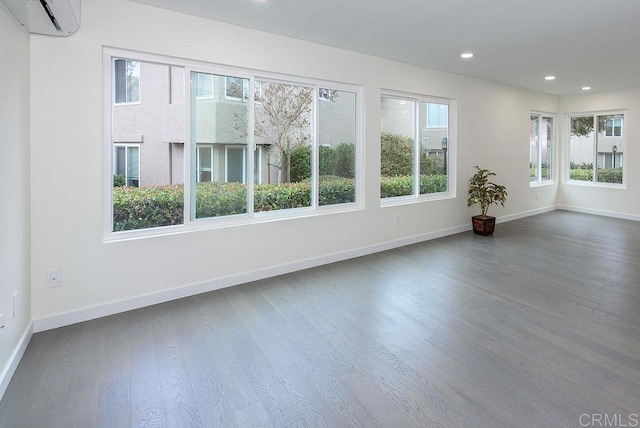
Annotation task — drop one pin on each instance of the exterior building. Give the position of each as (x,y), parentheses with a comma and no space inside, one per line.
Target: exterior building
(148,125)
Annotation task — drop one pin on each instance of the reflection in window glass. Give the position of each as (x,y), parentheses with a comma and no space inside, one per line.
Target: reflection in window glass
(396,147)
(147,136)
(219,142)
(336,150)
(283,127)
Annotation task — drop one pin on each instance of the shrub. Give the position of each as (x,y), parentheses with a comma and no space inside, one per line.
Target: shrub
(119,181)
(581,174)
(431,164)
(300,163)
(327,160)
(400,186)
(144,207)
(218,199)
(336,190)
(396,155)
(610,175)
(345,160)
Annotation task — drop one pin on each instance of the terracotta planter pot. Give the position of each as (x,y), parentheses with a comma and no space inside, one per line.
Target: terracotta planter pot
(483,224)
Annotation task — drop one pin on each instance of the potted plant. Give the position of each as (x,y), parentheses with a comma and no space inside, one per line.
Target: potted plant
(484,192)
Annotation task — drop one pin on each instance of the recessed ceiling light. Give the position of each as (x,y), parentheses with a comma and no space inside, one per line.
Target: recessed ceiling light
(550,78)
(466,55)
(586,88)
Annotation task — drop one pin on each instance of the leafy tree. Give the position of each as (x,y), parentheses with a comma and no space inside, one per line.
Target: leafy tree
(283,115)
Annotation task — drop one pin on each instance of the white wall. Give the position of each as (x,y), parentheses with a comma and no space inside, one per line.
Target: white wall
(14,192)
(66,132)
(606,200)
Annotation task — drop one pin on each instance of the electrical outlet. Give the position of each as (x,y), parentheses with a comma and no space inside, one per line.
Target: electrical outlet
(397,219)
(15,304)
(1,325)
(537,195)
(54,278)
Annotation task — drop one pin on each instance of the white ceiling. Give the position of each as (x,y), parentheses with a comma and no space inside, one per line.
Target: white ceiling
(517,42)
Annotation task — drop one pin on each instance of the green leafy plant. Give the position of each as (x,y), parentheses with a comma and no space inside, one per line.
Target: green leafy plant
(484,192)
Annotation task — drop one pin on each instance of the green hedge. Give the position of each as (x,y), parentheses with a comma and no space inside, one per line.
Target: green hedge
(605,175)
(337,161)
(400,186)
(144,207)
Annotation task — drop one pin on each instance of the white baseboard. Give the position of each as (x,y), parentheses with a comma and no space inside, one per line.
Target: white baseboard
(12,364)
(97,311)
(524,214)
(604,213)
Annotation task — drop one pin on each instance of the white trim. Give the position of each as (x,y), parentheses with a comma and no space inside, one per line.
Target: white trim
(14,360)
(106,309)
(603,213)
(97,311)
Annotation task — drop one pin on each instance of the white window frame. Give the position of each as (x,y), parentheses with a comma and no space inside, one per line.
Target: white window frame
(191,224)
(594,182)
(451,149)
(539,180)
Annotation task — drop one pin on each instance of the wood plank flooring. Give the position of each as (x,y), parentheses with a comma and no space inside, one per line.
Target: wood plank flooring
(538,325)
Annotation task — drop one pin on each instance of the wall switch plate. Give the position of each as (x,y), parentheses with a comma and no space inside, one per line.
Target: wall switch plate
(54,278)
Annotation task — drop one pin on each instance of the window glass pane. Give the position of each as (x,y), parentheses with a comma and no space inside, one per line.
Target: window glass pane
(396,147)
(546,149)
(434,148)
(217,123)
(609,147)
(581,148)
(283,115)
(152,169)
(204,83)
(336,151)
(534,141)
(236,165)
(236,87)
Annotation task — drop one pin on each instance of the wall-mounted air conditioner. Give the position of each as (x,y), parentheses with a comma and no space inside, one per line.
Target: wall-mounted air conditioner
(51,17)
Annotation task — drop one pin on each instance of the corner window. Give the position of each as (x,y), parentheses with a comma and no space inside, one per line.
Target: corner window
(236,88)
(540,148)
(415,147)
(596,148)
(126,81)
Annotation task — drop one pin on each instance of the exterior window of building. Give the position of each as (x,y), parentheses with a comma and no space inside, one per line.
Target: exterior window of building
(596,148)
(416,146)
(204,85)
(540,148)
(126,164)
(126,81)
(437,115)
(236,88)
(204,162)
(226,157)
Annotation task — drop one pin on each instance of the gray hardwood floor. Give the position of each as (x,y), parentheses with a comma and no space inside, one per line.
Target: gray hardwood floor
(538,325)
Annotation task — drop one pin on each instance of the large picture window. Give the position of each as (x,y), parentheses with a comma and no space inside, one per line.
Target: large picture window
(596,148)
(210,156)
(416,146)
(540,148)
